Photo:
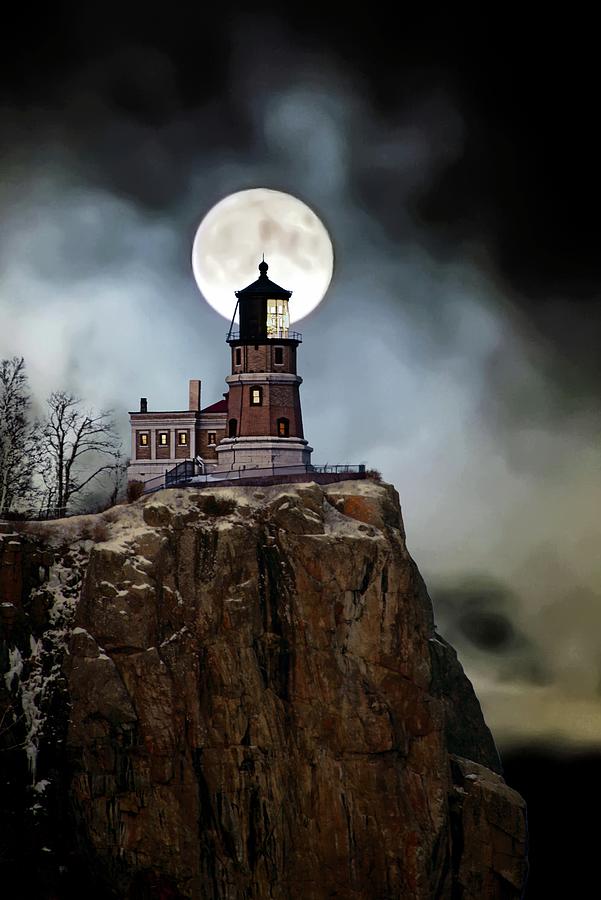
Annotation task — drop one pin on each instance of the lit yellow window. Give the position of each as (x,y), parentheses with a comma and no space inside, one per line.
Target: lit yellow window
(212,437)
(255,396)
(143,439)
(163,439)
(182,439)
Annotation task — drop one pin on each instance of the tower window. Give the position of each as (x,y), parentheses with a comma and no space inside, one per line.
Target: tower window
(256,396)
(143,438)
(163,438)
(212,438)
(182,438)
(238,356)
(278,356)
(232,428)
(283,427)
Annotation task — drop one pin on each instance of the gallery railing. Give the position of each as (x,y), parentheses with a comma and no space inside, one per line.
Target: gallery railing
(190,471)
(283,334)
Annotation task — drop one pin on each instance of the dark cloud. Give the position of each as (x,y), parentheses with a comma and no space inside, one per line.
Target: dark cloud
(488,630)
(483,619)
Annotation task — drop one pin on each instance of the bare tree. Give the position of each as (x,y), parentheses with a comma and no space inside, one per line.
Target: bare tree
(117,480)
(15,434)
(75,448)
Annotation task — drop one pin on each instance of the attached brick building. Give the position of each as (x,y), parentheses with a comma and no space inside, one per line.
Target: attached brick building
(160,440)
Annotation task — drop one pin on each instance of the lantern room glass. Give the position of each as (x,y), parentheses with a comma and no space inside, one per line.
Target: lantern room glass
(278,319)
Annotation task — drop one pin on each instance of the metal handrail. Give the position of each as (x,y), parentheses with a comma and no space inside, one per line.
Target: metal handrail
(33,513)
(190,471)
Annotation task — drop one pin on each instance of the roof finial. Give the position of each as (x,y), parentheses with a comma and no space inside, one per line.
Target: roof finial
(263,266)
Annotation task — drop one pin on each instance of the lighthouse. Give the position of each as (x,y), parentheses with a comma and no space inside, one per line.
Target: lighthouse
(264,425)
(258,424)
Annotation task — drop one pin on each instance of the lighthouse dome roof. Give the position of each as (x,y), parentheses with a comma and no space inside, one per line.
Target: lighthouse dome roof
(263,287)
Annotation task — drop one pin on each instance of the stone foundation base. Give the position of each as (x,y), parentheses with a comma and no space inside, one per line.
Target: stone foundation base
(262,453)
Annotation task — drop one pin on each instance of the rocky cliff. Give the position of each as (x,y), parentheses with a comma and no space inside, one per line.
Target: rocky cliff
(239,693)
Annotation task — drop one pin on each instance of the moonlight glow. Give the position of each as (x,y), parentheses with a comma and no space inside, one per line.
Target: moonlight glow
(236,232)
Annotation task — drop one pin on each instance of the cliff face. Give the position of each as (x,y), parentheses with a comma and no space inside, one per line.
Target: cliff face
(258,705)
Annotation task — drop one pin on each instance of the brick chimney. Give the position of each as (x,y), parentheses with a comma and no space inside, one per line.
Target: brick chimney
(194,396)
(143,404)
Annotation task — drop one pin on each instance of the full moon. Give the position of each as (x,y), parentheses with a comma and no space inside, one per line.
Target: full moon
(237,231)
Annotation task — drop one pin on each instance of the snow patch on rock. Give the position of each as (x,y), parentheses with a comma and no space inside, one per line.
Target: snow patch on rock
(33,677)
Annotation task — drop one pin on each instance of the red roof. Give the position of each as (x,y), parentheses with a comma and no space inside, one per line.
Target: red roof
(220,406)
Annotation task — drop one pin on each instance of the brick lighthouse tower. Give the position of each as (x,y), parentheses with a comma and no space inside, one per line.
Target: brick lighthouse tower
(264,422)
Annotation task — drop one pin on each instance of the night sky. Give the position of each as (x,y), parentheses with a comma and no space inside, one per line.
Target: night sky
(456,166)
